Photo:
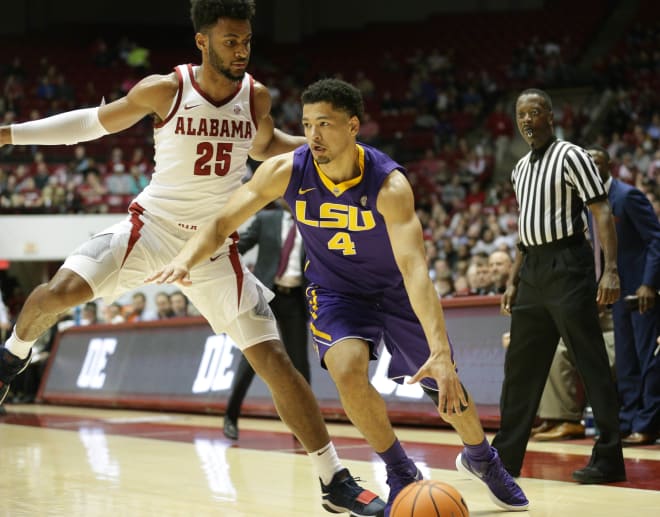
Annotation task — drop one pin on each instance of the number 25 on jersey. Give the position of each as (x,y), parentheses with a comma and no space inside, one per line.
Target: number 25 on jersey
(213,158)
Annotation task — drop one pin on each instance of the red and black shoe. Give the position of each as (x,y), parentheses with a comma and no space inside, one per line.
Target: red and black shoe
(344,495)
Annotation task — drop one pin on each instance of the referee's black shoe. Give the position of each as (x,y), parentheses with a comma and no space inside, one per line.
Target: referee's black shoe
(591,475)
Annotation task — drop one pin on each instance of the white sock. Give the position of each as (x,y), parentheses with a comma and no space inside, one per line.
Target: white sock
(326,462)
(17,346)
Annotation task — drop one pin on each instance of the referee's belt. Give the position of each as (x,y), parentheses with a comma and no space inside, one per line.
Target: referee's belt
(281,289)
(560,244)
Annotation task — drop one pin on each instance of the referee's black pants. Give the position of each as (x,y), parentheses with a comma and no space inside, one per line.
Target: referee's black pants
(556,297)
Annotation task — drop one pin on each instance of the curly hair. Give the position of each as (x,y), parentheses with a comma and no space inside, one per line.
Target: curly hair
(340,94)
(205,13)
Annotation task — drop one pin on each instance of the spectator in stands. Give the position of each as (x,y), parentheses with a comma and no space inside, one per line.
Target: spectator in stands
(138,180)
(179,302)
(500,128)
(137,57)
(476,194)
(486,243)
(45,89)
(13,93)
(163,306)
(31,198)
(478,277)
(461,285)
(81,162)
(453,193)
(444,286)
(653,128)
(499,264)
(119,181)
(139,160)
(113,313)
(116,162)
(41,175)
(139,310)
(7,193)
(440,269)
(89,314)
(91,193)
(477,165)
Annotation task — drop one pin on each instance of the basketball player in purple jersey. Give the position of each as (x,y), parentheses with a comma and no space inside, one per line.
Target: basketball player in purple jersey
(207,120)
(368,281)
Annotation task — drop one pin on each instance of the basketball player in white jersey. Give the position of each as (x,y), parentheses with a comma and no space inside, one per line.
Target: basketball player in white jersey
(207,120)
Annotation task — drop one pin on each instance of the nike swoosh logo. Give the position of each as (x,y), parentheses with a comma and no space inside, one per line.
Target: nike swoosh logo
(189,106)
(304,191)
(213,259)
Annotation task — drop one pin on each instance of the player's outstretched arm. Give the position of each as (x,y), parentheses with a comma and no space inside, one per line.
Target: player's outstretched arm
(268,183)
(152,95)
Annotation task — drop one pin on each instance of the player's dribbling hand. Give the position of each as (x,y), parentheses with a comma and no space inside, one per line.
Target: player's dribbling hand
(451,397)
(172,273)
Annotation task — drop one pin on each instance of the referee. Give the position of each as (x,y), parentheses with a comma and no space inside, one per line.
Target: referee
(552,290)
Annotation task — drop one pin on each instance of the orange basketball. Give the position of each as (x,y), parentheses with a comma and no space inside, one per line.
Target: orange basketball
(428,498)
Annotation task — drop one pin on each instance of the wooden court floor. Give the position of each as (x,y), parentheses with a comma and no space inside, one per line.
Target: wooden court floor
(65,461)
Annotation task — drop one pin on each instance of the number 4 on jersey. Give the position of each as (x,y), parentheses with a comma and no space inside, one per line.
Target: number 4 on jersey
(342,241)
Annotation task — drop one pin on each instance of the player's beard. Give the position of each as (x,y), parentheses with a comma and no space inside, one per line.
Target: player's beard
(218,65)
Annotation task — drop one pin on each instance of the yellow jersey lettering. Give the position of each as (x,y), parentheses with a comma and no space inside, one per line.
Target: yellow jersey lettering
(301,216)
(367,219)
(333,215)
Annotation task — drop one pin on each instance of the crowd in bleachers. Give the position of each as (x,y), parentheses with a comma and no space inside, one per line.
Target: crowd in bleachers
(443,111)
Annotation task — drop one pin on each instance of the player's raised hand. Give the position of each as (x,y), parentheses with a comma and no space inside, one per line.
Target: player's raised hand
(172,273)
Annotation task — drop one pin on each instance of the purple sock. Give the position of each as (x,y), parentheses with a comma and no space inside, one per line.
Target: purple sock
(480,452)
(395,454)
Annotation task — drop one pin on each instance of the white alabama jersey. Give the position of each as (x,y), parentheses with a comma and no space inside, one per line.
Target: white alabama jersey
(201,150)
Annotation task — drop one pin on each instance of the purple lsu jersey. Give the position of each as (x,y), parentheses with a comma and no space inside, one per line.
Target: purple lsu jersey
(346,241)
(355,287)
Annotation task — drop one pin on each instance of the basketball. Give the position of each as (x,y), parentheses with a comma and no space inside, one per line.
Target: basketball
(428,498)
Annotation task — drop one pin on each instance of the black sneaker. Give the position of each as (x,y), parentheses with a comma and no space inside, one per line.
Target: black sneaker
(344,495)
(10,367)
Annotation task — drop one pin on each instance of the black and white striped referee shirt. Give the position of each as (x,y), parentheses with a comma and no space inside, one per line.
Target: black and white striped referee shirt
(552,192)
